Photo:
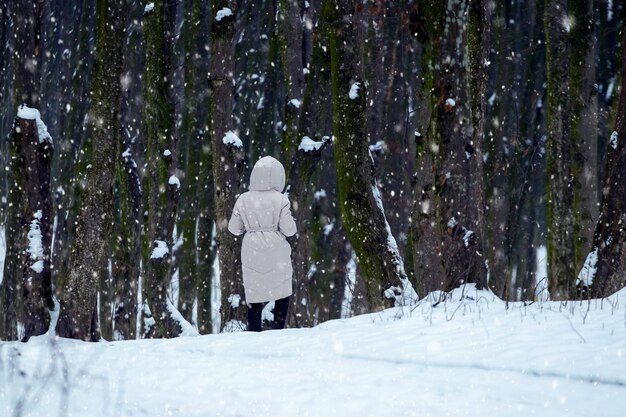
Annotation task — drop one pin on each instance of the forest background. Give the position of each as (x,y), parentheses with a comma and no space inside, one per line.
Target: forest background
(427,144)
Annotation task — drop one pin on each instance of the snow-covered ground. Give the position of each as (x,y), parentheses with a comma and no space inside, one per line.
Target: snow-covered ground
(474,357)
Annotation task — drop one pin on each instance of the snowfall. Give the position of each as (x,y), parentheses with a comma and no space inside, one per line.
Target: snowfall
(468,354)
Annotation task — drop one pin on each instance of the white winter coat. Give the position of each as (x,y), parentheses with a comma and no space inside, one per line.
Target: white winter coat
(264,214)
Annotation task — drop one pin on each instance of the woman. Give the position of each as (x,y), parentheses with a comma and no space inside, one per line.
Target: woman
(264,214)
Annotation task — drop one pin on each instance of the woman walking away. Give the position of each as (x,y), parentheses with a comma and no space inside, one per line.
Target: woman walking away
(264,214)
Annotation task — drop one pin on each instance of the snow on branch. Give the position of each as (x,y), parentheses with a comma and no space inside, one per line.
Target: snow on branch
(174,181)
(230,138)
(222,13)
(354,91)
(148,9)
(160,250)
(309,145)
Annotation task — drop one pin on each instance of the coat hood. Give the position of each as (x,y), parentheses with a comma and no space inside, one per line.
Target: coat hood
(268,174)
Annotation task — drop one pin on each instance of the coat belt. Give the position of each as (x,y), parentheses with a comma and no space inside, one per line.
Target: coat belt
(262,229)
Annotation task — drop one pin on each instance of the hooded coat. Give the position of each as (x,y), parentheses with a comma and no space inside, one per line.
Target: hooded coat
(264,215)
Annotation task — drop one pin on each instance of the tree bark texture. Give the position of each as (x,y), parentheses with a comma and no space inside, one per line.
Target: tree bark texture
(226,165)
(610,235)
(27,291)
(562,233)
(90,249)
(75,75)
(291,30)
(584,126)
(302,180)
(191,158)
(450,210)
(360,202)
(161,184)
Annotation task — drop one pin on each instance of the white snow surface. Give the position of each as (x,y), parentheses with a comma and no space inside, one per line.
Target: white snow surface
(28,113)
(230,138)
(468,356)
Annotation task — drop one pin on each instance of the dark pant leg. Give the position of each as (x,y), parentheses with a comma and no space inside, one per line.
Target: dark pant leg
(255,310)
(280,312)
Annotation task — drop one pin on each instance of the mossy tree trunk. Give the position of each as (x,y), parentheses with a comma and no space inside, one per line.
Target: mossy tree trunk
(27,285)
(448,228)
(91,247)
(78,73)
(304,165)
(359,199)
(126,247)
(190,159)
(610,235)
(478,40)
(291,30)
(226,165)
(161,184)
(584,125)
(26,294)
(500,149)
(129,198)
(562,233)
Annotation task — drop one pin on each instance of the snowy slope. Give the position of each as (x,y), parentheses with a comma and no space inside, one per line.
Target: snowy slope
(474,357)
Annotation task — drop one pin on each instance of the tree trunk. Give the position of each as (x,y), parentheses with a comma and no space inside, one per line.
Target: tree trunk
(453,144)
(478,40)
(91,246)
(304,165)
(561,228)
(290,30)
(27,286)
(359,199)
(609,272)
(77,73)
(226,164)
(191,158)
(162,185)
(126,247)
(584,126)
